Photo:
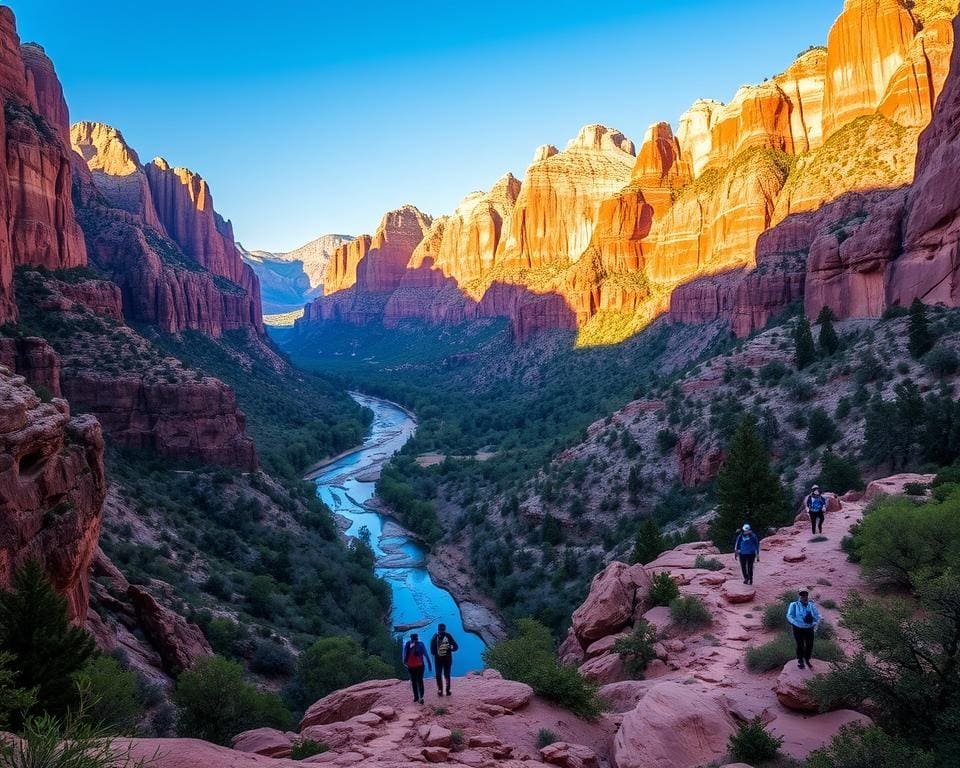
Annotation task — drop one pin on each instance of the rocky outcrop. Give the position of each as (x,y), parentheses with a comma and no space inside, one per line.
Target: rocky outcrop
(178,642)
(51,489)
(382,267)
(616,594)
(34,359)
(196,419)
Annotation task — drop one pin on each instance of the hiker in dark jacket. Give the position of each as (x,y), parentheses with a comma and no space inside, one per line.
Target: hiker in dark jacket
(747,550)
(414,657)
(804,618)
(816,505)
(442,647)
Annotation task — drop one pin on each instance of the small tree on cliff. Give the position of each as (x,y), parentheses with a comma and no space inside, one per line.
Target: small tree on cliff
(649,543)
(805,352)
(920,337)
(748,490)
(45,650)
(829,341)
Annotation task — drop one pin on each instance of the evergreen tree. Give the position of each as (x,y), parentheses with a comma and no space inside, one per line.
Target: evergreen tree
(748,490)
(649,543)
(634,483)
(804,350)
(839,474)
(44,649)
(920,336)
(829,341)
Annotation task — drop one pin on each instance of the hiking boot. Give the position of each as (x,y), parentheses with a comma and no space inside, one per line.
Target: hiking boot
(800,663)
(439,692)
(809,665)
(448,691)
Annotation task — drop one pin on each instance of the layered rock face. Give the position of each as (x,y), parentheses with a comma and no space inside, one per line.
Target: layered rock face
(162,284)
(51,489)
(38,227)
(599,240)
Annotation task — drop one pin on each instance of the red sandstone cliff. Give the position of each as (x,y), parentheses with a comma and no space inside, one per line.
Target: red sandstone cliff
(51,489)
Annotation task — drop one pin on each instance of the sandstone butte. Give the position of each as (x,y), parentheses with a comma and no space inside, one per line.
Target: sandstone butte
(698,223)
(695,693)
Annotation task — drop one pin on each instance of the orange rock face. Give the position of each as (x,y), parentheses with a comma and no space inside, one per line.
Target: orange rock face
(400,232)
(49,461)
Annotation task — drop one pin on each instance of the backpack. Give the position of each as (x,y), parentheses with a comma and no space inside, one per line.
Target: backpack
(817,504)
(413,656)
(443,645)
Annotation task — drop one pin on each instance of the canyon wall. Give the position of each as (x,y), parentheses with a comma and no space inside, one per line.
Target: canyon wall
(594,234)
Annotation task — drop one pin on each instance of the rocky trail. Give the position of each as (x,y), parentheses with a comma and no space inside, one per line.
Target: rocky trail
(694,695)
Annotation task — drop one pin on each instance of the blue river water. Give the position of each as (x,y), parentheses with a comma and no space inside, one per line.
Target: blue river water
(345,485)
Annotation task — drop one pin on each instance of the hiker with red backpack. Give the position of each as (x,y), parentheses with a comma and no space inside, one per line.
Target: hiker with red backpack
(414,658)
(442,647)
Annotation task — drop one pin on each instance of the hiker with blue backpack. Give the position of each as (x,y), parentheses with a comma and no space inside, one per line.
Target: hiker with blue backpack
(816,505)
(414,658)
(747,551)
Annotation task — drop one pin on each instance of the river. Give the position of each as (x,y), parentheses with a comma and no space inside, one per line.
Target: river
(346,484)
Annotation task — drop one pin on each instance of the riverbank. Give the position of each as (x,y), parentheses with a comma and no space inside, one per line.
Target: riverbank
(447,568)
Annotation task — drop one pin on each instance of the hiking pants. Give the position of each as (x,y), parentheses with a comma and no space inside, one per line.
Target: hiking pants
(443,665)
(815,519)
(804,638)
(746,566)
(416,680)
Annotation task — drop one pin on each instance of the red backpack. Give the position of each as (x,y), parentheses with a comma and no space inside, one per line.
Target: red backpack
(413,656)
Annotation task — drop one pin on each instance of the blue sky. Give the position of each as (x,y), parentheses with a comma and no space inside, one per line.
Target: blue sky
(312,117)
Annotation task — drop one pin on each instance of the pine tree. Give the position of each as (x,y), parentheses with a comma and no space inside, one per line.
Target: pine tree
(748,490)
(44,649)
(829,341)
(649,543)
(920,336)
(804,350)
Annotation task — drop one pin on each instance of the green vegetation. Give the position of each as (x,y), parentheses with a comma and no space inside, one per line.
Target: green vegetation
(237,706)
(753,743)
(304,748)
(689,613)
(636,649)
(529,657)
(804,350)
(545,737)
(707,563)
(12,698)
(777,652)
(748,490)
(663,589)
(839,474)
(870,747)
(113,695)
(332,663)
(829,341)
(920,335)
(649,542)
(403,486)
(43,650)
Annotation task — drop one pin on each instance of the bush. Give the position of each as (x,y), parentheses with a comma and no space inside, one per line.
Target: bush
(916,489)
(772,372)
(271,659)
(941,362)
(46,742)
(689,612)
(666,440)
(636,649)
(663,589)
(707,563)
(112,693)
(821,429)
(840,474)
(545,737)
(236,706)
(529,657)
(858,747)
(774,654)
(332,663)
(457,738)
(304,748)
(775,614)
(753,744)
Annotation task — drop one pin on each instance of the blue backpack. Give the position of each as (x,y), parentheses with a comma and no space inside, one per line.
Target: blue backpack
(817,504)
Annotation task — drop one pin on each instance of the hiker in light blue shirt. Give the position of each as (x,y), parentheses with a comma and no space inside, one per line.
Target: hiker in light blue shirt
(747,550)
(804,618)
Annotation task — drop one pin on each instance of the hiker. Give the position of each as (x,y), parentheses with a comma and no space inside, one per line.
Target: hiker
(816,505)
(804,617)
(414,657)
(747,550)
(442,647)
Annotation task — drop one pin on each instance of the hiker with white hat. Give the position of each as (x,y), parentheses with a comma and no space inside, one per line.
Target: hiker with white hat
(816,504)
(747,550)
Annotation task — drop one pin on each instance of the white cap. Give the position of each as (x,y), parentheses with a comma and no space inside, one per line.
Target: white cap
(746,527)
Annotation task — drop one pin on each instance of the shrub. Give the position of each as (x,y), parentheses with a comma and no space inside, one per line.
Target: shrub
(858,747)
(839,473)
(666,440)
(820,429)
(775,614)
(707,563)
(916,489)
(237,706)
(304,748)
(636,649)
(332,663)
(112,694)
(663,589)
(529,657)
(545,737)
(689,612)
(457,738)
(774,654)
(772,372)
(941,362)
(47,742)
(753,744)
(272,659)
